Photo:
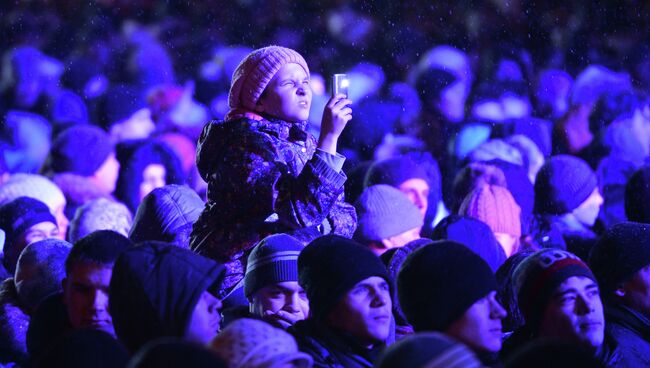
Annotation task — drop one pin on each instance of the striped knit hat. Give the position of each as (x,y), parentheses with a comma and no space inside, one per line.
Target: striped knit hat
(537,277)
(274,259)
(255,72)
(428,350)
(495,206)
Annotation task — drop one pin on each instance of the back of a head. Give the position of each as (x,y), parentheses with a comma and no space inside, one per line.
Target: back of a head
(251,343)
(472,176)
(170,352)
(100,248)
(167,214)
(496,149)
(637,196)
(40,270)
(394,171)
(495,206)
(154,289)
(100,214)
(80,149)
(85,348)
(563,183)
(428,350)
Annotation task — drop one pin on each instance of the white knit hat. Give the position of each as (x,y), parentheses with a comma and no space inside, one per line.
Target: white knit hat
(250,343)
(34,186)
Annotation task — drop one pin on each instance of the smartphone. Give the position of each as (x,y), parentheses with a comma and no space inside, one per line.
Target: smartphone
(340,84)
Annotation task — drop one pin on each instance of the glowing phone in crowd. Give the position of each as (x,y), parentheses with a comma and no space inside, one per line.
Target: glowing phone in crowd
(340,84)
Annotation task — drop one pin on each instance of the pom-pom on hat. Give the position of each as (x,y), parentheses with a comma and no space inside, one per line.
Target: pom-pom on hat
(256,71)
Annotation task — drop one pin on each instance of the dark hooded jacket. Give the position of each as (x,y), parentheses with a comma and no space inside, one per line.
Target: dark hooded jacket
(332,349)
(154,290)
(632,332)
(167,214)
(264,178)
(13,325)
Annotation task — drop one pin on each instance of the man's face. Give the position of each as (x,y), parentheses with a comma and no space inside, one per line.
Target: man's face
(205,322)
(288,95)
(587,212)
(480,326)
(85,293)
(635,293)
(575,313)
(283,303)
(417,190)
(364,312)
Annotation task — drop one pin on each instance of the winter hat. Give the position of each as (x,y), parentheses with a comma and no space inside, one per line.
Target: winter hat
(594,81)
(100,214)
(384,212)
(620,254)
(250,343)
(80,149)
(34,186)
(20,214)
(256,71)
(273,260)
(637,196)
(496,149)
(474,175)
(537,276)
(330,266)
(172,352)
(394,171)
(40,270)
(428,350)
(474,234)
(429,281)
(495,206)
(562,184)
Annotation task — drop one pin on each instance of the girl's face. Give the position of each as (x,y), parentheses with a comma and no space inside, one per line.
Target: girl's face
(288,95)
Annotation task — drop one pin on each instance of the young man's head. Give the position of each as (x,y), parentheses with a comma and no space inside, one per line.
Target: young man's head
(405,174)
(158,290)
(446,287)
(386,219)
(348,288)
(567,185)
(24,220)
(621,262)
(273,81)
(271,281)
(86,151)
(559,298)
(89,267)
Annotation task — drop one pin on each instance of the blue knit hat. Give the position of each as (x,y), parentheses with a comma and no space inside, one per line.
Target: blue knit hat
(384,212)
(80,149)
(273,260)
(562,185)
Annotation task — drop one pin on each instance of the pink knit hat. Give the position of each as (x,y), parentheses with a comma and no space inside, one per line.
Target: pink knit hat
(255,72)
(495,206)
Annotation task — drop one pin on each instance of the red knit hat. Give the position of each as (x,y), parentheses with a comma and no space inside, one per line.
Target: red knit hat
(255,72)
(495,206)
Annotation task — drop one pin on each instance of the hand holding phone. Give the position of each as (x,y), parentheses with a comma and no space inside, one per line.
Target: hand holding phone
(336,115)
(340,84)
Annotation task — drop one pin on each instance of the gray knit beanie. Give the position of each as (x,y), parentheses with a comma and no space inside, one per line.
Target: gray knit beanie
(383,212)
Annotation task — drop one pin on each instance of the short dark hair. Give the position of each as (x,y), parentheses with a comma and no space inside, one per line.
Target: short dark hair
(100,247)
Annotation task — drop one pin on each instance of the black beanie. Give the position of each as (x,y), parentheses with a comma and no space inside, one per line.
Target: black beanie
(330,266)
(439,282)
(273,260)
(80,149)
(562,184)
(22,213)
(620,253)
(637,196)
(394,171)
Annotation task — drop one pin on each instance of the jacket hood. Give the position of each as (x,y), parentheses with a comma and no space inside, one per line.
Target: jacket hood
(167,214)
(154,289)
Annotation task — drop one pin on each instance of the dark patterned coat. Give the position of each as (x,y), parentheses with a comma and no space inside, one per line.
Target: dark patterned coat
(263,178)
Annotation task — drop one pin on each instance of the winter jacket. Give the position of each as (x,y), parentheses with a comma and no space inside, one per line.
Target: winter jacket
(13,326)
(632,332)
(167,214)
(332,349)
(263,178)
(154,290)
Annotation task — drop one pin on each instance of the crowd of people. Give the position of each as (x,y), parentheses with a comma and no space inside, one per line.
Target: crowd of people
(170,197)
